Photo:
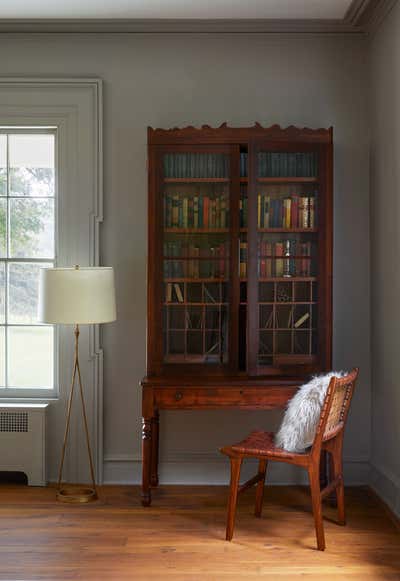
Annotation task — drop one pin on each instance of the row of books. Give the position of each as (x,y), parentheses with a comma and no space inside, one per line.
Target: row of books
(284,259)
(196,165)
(183,261)
(292,212)
(216,165)
(282,164)
(195,212)
(179,249)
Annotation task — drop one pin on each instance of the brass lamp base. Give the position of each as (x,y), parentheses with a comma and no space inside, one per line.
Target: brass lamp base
(76,494)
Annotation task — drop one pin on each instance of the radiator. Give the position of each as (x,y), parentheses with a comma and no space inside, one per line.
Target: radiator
(23,440)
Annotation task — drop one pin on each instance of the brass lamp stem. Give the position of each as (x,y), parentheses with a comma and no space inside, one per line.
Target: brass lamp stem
(70,494)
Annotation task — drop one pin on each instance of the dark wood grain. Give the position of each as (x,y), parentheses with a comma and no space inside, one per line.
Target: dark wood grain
(240,380)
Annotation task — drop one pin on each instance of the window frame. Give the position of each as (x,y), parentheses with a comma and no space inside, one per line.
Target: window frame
(40,393)
(75,107)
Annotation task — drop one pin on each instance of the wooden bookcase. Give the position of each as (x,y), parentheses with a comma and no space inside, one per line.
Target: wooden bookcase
(240,267)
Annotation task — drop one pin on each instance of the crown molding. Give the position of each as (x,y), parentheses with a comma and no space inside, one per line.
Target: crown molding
(372,14)
(174,26)
(363,16)
(355,11)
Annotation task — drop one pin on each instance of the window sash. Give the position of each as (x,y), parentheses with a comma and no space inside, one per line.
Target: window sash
(30,392)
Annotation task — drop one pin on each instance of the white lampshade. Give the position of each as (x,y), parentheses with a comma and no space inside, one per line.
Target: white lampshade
(76,296)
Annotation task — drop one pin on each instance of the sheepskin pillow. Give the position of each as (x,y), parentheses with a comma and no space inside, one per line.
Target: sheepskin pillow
(301,418)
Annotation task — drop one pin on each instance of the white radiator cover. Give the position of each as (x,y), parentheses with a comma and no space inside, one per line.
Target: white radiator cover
(23,440)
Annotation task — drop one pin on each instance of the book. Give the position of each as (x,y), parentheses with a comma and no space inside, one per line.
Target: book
(243,260)
(301,320)
(311,218)
(303,212)
(279,263)
(294,214)
(287,208)
(196,212)
(178,292)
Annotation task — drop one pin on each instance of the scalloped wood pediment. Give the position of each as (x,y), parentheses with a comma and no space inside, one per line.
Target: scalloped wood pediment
(224,133)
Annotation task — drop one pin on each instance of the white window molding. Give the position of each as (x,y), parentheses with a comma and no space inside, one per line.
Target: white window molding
(74,107)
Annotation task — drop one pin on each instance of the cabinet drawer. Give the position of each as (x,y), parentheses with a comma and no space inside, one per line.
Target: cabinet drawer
(214,398)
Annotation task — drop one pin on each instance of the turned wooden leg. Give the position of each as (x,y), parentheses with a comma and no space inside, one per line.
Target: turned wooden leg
(236,464)
(155,422)
(262,468)
(146,460)
(317,507)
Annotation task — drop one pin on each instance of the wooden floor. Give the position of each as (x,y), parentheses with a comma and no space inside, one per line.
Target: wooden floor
(181,537)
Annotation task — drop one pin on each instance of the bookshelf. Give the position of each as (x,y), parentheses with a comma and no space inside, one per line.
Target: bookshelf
(240,244)
(240,268)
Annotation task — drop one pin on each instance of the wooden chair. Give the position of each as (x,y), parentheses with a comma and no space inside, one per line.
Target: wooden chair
(329,437)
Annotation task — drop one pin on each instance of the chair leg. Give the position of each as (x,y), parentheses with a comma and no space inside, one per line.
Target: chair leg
(338,473)
(262,468)
(317,507)
(236,464)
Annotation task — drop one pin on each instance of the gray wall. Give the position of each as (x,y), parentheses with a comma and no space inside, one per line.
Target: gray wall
(385,246)
(168,80)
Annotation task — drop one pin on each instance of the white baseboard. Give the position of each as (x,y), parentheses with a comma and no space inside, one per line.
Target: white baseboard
(387,486)
(210,469)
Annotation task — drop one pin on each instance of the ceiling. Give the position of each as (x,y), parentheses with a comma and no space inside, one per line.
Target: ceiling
(183,16)
(177,9)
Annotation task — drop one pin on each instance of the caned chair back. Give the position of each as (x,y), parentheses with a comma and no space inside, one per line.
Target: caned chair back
(336,408)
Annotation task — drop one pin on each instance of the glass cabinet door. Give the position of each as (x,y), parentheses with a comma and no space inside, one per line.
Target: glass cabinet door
(196,256)
(283,279)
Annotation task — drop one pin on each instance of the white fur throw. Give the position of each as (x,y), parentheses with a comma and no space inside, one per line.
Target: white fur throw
(301,418)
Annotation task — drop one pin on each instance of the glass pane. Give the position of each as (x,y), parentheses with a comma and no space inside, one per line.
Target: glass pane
(2,356)
(3,165)
(3,227)
(31,165)
(23,292)
(287,254)
(2,292)
(30,357)
(196,257)
(31,228)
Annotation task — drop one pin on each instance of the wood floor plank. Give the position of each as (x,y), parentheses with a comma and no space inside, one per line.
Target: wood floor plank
(181,537)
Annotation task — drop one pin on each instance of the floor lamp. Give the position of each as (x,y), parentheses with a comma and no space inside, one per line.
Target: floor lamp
(76,296)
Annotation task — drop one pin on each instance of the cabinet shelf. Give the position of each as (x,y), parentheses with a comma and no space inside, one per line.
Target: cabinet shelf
(196,230)
(282,180)
(283,230)
(190,279)
(196,180)
(221,258)
(287,180)
(288,329)
(189,304)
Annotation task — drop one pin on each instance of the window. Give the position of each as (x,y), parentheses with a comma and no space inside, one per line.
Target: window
(27,243)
